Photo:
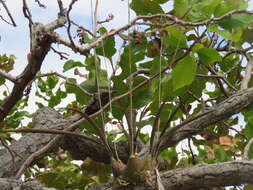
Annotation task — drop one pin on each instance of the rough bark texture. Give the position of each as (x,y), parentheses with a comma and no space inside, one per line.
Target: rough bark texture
(12,184)
(200,176)
(232,105)
(41,40)
(197,177)
(44,118)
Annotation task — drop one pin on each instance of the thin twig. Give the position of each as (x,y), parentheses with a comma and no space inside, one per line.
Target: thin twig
(83,50)
(81,27)
(27,12)
(8,12)
(36,155)
(40,4)
(191,151)
(60,53)
(51,131)
(69,22)
(66,80)
(108,19)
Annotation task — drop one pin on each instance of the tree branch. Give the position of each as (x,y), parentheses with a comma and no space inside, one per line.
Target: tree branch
(194,125)
(8,76)
(41,41)
(198,177)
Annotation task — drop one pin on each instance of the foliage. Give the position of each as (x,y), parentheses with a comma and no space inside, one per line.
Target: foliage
(187,67)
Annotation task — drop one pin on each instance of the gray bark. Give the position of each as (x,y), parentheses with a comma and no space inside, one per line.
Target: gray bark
(13,184)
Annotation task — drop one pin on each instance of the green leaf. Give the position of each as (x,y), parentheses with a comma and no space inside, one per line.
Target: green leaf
(230,5)
(247,35)
(141,96)
(107,46)
(175,39)
(144,7)
(71,64)
(184,72)
(195,10)
(2,80)
(229,62)
(181,6)
(52,81)
(55,100)
(221,155)
(86,38)
(234,35)
(80,96)
(161,1)
(235,21)
(208,55)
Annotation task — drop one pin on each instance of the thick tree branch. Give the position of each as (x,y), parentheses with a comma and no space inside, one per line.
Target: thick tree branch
(198,177)
(247,76)
(194,125)
(40,45)
(45,118)
(8,183)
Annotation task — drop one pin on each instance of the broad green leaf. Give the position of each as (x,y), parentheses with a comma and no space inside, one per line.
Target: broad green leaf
(107,46)
(247,35)
(161,1)
(234,35)
(207,7)
(221,155)
(181,6)
(171,157)
(195,10)
(184,72)
(198,85)
(230,5)
(128,60)
(248,131)
(144,7)
(175,39)
(80,96)
(71,64)
(229,62)
(141,96)
(52,81)
(43,86)
(14,119)
(208,55)
(235,21)
(57,98)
